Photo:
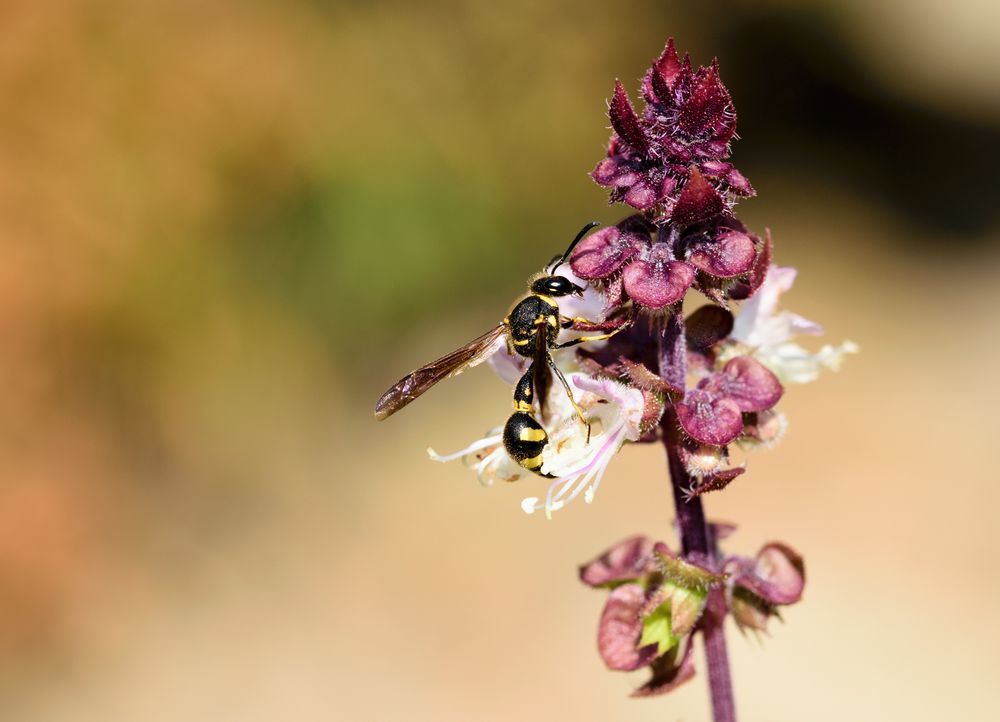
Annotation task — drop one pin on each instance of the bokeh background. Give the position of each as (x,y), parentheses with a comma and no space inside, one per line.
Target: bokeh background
(226,226)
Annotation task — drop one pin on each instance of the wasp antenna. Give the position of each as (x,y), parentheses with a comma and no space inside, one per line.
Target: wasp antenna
(579,236)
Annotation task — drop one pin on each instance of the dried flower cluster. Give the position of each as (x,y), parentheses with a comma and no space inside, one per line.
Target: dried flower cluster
(656,600)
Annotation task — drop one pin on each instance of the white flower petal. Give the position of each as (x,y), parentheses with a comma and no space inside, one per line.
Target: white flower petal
(470,449)
(763,303)
(769,332)
(489,468)
(794,364)
(628,400)
(798,326)
(598,475)
(832,356)
(509,367)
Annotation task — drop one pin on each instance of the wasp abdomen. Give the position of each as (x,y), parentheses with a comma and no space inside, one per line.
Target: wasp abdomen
(524,438)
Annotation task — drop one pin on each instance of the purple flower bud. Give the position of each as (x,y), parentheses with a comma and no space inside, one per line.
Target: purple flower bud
(685,129)
(602,253)
(655,267)
(728,253)
(738,183)
(641,196)
(707,326)
(662,76)
(746,381)
(709,418)
(657,284)
(708,110)
(758,272)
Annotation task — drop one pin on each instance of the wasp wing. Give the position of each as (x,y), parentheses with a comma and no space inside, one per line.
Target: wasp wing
(414,384)
(541,376)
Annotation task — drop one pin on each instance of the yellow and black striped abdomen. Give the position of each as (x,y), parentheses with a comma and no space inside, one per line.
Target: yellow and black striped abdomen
(524,438)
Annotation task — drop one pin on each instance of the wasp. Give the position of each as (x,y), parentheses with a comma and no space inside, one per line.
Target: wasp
(531,329)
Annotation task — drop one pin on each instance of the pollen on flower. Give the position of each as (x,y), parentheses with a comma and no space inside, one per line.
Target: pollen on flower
(703,460)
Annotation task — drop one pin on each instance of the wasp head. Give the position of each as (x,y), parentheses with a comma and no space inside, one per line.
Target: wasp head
(555,286)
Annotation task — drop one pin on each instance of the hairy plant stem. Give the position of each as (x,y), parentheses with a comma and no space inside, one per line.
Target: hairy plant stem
(697,545)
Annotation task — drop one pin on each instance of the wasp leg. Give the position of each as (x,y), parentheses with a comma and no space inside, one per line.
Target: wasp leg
(569,393)
(567,322)
(570,321)
(600,337)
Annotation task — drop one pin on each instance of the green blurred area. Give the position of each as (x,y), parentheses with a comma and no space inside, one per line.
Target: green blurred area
(226,226)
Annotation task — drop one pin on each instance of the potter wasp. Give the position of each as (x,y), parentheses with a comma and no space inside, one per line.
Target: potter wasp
(531,330)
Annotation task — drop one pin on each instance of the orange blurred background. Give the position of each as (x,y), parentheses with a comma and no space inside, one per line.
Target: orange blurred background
(226,226)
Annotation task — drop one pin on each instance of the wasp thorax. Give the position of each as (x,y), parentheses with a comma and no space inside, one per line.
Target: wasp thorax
(555,286)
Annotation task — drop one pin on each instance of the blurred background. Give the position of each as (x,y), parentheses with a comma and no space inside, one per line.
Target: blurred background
(226,227)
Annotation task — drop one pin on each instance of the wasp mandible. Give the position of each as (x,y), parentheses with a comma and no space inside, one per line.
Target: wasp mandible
(531,329)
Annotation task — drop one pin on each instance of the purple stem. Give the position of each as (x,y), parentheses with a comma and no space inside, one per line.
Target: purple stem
(697,547)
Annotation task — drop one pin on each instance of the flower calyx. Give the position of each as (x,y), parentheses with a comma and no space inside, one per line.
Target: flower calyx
(655,602)
(759,586)
(655,265)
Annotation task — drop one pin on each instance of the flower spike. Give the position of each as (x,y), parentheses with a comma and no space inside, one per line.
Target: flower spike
(612,350)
